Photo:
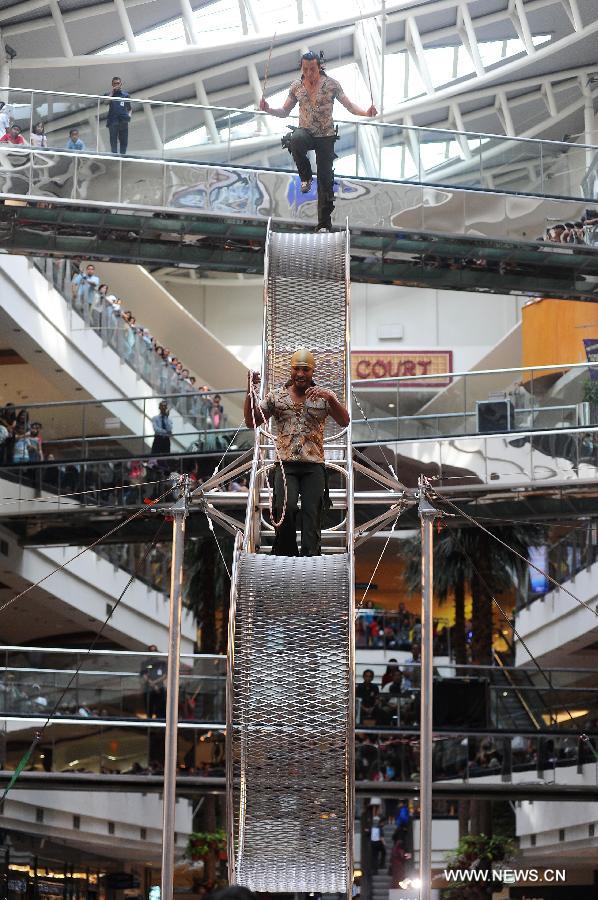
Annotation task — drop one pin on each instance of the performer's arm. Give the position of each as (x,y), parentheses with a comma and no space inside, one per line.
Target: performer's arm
(283,111)
(253,383)
(339,413)
(357,110)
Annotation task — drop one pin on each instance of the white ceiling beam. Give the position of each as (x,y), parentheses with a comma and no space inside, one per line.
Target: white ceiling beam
(460,126)
(60,28)
(125,24)
(446,94)
(548,94)
(207,113)
(416,52)
(519,18)
(243,15)
(188,21)
(468,37)
(572,9)
(153,126)
(504,113)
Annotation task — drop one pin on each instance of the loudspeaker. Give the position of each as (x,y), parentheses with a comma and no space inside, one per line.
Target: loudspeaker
(495,415)
(461,701)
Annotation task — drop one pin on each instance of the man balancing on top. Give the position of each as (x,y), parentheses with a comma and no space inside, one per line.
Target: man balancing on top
(316,92)
(299,409)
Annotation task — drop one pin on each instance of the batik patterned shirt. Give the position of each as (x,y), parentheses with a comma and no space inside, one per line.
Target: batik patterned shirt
(317,116)
(298,427)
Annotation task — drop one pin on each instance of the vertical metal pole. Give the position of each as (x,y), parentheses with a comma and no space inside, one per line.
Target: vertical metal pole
(179,512)
(427,514)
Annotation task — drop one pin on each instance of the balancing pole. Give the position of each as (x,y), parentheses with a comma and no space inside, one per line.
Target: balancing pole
(267,72)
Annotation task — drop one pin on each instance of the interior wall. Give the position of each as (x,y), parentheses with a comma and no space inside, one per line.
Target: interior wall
(469,324)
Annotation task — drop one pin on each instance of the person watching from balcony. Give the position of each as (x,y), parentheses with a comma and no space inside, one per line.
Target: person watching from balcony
(315,92)
(153,675)
(85,283)
(162,425)
(13,136)
(369,694)
(74,141)
(299,409)
(38,137)
(119,116)
(5,117)
(36,453)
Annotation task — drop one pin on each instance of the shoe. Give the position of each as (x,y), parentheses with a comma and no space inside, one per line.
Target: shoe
(306,186)
(322,229)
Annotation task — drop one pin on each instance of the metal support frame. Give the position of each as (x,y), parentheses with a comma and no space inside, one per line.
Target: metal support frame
(427,515)
(179,512)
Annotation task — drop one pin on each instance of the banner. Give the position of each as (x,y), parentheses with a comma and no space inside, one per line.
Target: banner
(370,365)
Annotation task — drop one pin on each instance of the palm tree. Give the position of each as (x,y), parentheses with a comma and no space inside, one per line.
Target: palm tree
(207,588)
(468,557)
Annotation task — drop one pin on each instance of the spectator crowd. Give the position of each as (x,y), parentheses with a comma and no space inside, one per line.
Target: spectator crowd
(117,121)
(572,232)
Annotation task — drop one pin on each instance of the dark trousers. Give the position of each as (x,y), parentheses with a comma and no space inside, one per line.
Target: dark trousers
(119,132)
(378,856)
(302,141)
(309,481)
(155,703)
(160,444)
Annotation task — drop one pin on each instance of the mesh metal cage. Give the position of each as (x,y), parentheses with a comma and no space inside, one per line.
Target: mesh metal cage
(290,735)
(290,705)
(307,306)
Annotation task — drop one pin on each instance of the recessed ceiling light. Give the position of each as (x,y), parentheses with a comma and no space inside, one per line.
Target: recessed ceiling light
(391,406)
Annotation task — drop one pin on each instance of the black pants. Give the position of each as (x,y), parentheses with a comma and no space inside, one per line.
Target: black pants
(378,856)
(302,141)
(309,481)
(155,703)
(119,132)
(160,444)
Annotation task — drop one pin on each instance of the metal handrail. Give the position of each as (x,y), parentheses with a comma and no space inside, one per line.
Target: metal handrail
(372,123)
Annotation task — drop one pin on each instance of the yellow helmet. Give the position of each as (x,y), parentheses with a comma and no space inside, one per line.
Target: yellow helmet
(303,357)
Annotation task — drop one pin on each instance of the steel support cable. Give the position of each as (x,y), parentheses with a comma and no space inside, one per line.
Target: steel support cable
(581,735)
(373,575)
(516,553)
(52,714)
(5,501)
(63,565)
(211,527)
(390,466)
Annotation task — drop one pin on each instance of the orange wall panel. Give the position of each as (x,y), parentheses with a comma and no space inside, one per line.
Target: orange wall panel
(553,331)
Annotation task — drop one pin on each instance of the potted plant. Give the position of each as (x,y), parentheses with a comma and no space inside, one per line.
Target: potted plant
(474,853)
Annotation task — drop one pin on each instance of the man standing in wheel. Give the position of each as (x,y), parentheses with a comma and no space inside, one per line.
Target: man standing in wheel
(299,410)
(315,92)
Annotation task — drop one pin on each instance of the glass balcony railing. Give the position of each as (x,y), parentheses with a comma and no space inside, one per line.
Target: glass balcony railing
(493,401)
(113,687)
(198,408)
(73,684)
(229,136)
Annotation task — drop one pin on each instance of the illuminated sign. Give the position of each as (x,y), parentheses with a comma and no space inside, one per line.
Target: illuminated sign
(372,365)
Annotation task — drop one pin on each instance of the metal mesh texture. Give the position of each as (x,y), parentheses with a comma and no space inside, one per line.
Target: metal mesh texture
(307,306)
(290,740)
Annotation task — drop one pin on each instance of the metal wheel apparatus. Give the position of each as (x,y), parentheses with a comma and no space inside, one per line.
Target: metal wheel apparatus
(290,682)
